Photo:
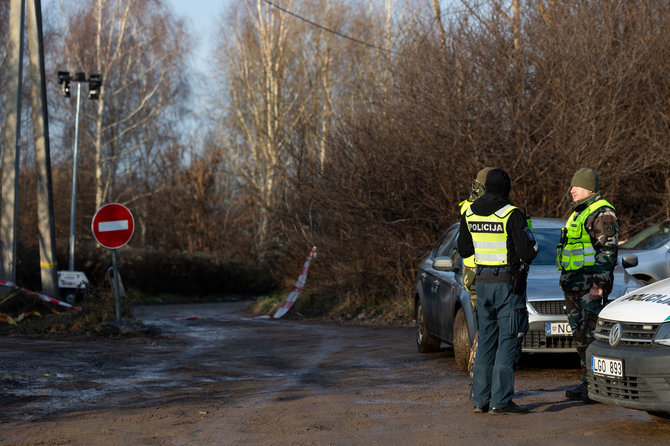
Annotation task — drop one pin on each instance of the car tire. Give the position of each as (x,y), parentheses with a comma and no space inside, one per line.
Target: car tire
(647,280)
(659,416)
(461,341)
(425,342)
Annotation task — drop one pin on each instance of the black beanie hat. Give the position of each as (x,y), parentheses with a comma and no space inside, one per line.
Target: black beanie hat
(498,182)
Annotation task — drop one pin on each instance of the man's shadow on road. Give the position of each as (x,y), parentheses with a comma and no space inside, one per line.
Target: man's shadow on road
(556,406)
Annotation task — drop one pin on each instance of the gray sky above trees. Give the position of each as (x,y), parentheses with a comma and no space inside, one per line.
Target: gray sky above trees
(203,17)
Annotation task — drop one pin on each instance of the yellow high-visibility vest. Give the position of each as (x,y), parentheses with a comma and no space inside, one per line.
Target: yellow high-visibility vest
(489,235)
(578,251)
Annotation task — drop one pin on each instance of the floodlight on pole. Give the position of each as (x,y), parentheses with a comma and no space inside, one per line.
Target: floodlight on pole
(64,82)
(95,82)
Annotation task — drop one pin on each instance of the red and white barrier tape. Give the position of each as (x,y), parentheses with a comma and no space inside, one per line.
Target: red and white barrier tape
(297,289)
(44,297)
(14,320)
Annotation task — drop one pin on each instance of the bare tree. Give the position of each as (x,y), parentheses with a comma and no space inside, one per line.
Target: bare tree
(358,127)
(280,71)
(140,50)
(540,90)
(256,57)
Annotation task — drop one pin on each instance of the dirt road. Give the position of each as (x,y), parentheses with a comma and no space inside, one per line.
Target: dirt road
(218,377)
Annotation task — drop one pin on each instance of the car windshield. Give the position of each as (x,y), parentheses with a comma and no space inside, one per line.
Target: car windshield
(547,239)
(651,238)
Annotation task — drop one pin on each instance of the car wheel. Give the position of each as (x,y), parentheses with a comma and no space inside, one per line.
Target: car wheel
(645,279)
(659,416)
(425,343)
(461,341)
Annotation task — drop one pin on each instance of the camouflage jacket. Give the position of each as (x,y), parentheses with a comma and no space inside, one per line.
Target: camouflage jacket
(603,227)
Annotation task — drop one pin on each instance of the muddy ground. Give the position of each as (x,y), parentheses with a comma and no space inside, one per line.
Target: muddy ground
(215,376)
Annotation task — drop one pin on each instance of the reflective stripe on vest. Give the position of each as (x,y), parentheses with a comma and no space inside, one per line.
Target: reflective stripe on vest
(468,261)
(578,251)
(489,235)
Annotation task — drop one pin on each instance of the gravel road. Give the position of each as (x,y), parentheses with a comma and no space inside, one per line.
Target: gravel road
(216,376)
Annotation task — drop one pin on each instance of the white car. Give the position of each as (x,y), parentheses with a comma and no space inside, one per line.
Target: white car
(628,363)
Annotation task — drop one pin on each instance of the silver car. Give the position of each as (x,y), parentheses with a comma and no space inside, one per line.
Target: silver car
(444,313)
(652,249)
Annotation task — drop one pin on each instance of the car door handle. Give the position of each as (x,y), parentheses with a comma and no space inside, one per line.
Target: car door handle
(436,282)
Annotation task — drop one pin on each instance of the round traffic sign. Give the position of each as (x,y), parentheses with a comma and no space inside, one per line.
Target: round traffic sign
(113,225)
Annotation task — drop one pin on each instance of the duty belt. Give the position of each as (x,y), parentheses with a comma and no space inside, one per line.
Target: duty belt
(494,273)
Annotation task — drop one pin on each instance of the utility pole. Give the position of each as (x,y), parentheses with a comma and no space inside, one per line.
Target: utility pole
(12,141)
(12,145)
(45,213)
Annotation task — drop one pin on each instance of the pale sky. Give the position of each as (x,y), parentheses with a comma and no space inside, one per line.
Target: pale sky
(203,18)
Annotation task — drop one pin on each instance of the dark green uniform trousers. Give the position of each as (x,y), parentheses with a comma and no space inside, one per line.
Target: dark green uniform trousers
(502,321)
(582,315)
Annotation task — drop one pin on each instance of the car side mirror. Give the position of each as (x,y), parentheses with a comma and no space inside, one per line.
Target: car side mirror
(446,263)
(629,261)
(443,264)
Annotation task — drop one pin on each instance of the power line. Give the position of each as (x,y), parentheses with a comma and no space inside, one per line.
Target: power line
(353,39)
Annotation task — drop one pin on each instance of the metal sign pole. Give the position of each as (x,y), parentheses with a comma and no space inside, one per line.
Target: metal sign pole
(73,203)
(113,226)
(117,291)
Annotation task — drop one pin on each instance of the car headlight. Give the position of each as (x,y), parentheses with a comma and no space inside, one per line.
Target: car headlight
(663,335)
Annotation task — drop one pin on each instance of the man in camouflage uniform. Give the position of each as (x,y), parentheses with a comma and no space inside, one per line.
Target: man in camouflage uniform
(587,256)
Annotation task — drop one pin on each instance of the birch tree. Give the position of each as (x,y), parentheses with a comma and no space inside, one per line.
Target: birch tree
(255,59)
(140,50)
(290,72)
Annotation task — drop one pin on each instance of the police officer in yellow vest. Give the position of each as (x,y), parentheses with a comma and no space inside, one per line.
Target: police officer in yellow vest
(469,275)
(587,255)
(497,233)
(477,191)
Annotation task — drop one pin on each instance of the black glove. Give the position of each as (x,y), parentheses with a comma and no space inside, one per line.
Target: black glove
(519,276)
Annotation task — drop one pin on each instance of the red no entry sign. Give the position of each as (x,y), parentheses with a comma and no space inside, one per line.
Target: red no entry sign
(113,225)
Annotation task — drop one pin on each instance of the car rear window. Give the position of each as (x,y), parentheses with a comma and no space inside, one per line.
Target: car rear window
(651,238)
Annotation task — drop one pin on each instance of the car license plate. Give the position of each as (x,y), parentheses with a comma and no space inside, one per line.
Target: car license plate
(558,329)
(606,366)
